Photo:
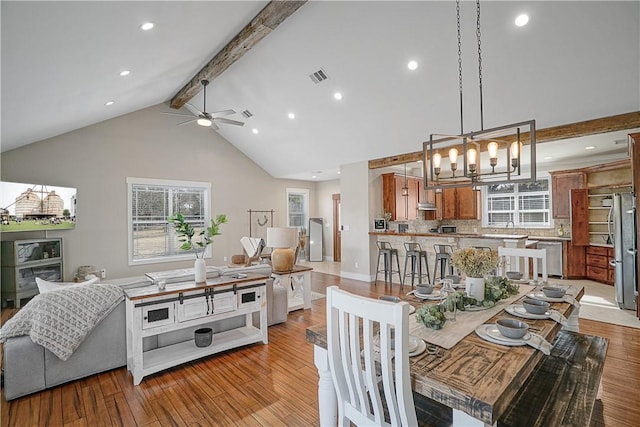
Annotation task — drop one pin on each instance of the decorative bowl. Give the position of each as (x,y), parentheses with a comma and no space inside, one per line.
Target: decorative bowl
(535,306)
(514,275)
(454,279)
(424,288)
(553,291)
(203,337)
(512,328)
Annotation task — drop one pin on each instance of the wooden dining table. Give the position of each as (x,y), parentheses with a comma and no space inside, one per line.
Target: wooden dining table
(477,379)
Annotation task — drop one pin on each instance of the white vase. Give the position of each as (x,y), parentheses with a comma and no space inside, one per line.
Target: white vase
(474,286)
(200,270)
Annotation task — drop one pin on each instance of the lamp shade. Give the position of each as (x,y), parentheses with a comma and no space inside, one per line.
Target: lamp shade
(281,237)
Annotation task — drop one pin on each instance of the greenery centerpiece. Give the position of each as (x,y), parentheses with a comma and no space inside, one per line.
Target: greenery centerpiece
(186,233)
(475,264)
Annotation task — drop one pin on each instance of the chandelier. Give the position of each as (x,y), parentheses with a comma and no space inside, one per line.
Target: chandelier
(484,157)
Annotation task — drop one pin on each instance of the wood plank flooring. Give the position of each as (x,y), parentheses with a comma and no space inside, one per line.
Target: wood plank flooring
(268,385)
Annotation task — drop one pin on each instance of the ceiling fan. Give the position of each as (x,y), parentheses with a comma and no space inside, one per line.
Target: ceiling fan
(202,117)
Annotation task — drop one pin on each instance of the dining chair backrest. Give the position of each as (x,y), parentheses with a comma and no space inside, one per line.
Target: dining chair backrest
(368,376)
(517,259)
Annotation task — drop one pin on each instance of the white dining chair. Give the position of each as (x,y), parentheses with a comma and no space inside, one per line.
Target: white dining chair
(517,259)
(353,323)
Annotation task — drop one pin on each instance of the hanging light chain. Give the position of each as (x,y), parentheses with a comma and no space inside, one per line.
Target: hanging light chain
(459,65)
(478,34)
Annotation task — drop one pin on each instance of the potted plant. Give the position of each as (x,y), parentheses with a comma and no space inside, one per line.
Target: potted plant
(186,232)
(475,264)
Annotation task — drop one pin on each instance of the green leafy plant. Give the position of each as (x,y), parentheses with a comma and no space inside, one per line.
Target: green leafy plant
(475,262)
(186,232)
(431,316)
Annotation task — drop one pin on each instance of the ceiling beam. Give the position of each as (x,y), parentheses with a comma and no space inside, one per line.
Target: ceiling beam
(555,133)
(267,20)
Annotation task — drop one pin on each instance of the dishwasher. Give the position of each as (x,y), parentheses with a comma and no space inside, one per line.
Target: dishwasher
(554,257)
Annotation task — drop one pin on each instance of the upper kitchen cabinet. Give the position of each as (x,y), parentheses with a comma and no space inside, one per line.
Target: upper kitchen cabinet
(460,203)
(402,207)
(562,182)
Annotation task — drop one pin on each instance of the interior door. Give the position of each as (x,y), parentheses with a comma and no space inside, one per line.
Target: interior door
(337,244)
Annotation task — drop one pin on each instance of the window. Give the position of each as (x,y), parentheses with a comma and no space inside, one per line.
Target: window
(526,204)
(297,208)
(151,201)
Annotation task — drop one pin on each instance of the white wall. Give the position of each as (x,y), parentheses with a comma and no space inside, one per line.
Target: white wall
(355,196)
(97,160)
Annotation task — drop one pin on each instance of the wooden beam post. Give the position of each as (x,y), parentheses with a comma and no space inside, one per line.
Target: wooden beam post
(267,20)
(573,130)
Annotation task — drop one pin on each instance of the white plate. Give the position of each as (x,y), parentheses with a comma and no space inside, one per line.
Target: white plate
(414,344)
(483,332)
(421,347)
(436,294)
(519,310)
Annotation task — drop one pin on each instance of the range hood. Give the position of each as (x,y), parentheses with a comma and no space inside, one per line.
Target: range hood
(426,207)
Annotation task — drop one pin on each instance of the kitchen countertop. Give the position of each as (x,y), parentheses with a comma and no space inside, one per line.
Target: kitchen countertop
(458,235)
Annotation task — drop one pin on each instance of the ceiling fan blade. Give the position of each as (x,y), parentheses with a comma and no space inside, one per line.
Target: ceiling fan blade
(176,114)
(214,127)
(188,121)
(228,121)
(222,113)
(193,109)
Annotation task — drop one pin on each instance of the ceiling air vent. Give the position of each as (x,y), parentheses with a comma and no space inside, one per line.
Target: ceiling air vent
(318,76)
(247,114)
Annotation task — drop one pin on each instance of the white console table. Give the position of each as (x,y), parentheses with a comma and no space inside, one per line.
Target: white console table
(297,282)
(185,305)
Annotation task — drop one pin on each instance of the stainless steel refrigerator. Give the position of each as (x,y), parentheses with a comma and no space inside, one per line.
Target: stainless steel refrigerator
(623,231)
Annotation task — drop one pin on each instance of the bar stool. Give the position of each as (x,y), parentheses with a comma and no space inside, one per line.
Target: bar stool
(443,256)
(387,251)
(415,252)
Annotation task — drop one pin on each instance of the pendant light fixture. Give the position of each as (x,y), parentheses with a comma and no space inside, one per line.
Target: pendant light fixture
(484,157)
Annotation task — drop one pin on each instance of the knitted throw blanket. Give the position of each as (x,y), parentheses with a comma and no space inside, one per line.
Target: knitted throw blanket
(60,320)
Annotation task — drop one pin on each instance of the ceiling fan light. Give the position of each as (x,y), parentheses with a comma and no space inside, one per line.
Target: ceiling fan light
(204,122)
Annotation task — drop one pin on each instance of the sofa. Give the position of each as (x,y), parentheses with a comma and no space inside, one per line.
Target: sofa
(29,367)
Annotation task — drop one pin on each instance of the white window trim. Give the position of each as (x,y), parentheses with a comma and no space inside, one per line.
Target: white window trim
(485,209)
(131,181)
(304,191)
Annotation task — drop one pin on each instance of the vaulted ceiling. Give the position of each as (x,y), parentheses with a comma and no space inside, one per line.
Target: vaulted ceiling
(573,61)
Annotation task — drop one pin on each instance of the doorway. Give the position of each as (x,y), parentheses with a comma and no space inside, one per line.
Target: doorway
(337,244)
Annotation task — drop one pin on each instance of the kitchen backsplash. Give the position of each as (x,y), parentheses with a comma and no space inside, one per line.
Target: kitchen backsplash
(470,226)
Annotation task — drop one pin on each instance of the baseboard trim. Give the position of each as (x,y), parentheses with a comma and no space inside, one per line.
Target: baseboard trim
(354,276)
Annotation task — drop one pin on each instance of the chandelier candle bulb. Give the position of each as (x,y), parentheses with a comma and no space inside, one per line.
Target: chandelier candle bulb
(472,155)
(453,159)
(437,160)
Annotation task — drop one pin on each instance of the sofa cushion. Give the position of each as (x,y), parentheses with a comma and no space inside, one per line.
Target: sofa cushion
(45,286)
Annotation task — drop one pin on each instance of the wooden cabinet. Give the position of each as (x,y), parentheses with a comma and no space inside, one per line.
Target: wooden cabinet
(23,261)
(401,207)
(561,185)
(460,203)
(580,217)
(597,264)
(573,261)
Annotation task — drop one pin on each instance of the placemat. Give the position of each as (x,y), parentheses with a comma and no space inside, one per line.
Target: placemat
(466,322)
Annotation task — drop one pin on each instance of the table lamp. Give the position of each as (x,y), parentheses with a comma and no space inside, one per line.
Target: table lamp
(282,241)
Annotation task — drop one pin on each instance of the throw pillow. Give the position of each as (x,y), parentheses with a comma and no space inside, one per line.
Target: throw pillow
(45,286)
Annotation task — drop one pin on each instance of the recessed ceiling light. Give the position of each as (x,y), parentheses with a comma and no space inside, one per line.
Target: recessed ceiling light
(108,103)
(337,96)
(292,116)
(548,158)
(412,65)
(125,73)
(255,131)
(313,176)
(147,26)
(590,147)
(522,20)
(338,172)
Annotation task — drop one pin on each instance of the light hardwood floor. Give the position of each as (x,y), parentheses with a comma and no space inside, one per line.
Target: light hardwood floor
(268,385)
